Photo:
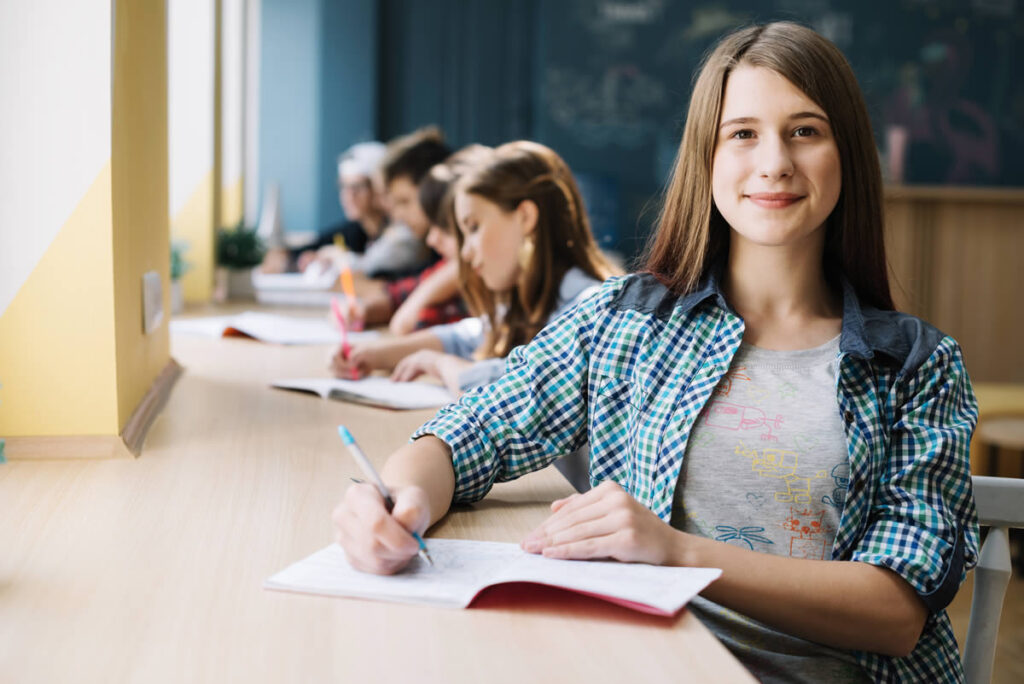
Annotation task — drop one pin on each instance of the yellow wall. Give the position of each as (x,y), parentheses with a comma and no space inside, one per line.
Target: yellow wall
(57,336)
(194,224)
(232,208)
(74,360)
(194,184)
(140,223)
(231,71)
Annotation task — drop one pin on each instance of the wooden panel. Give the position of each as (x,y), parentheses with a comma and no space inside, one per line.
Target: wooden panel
(957,260)
(899,245)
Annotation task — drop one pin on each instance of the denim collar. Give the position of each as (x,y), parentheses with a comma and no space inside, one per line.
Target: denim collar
(853,338)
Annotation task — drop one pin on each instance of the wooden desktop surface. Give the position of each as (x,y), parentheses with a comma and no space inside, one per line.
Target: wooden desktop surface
(151,570)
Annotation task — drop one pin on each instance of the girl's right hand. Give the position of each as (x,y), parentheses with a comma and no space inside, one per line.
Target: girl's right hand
(359,362)
(377,541)
(352,310)
(304,260)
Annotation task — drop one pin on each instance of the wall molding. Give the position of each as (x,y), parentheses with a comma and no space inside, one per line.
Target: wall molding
(126,445)
(135,430)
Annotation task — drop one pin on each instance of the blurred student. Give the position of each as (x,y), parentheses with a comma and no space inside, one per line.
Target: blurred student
(432,297)
(526,255)
(361,202)
(401,250)
(753,402)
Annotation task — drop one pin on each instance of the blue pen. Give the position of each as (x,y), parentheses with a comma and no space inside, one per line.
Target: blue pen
(371,472)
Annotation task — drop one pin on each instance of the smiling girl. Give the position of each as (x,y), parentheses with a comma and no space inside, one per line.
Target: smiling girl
(526,254)
(752,401)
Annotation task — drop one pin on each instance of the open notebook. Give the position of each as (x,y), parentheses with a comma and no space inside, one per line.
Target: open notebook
(267,327)
(462,569)
(373,391)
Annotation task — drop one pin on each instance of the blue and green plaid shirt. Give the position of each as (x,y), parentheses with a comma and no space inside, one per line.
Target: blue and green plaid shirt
(630,369)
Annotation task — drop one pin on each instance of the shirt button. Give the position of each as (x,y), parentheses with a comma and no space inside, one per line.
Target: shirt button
(848,417)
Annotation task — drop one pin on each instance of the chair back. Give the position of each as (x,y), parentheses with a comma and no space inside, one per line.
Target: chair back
(1000,503)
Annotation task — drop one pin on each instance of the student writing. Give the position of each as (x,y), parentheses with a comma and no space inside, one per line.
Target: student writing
(400,249)
(765,305)
(431,297)
(361,202)
(526,255)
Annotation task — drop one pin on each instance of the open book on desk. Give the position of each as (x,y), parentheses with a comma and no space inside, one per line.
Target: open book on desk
(462,569)
(268,328)
(373,391)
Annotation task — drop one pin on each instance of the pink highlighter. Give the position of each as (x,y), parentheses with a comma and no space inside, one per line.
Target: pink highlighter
(346,348)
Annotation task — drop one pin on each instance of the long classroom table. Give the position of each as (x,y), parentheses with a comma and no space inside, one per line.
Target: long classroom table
(151,570)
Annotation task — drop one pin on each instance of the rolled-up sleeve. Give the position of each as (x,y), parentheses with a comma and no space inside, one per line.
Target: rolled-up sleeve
(461,338)
(481,373)
(923,524)
(534,413)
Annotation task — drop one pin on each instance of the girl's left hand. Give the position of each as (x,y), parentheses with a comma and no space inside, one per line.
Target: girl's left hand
(605,522)
(423,362)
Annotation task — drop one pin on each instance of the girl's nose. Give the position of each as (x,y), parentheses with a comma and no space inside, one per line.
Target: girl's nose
(775,159)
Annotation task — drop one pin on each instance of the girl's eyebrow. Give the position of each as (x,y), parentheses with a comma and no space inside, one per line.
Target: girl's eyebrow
(792,117)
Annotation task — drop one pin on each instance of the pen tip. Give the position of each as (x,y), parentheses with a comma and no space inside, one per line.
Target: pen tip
(346,436)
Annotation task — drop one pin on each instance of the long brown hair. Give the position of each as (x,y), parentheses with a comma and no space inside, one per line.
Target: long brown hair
(435,191)
(512,173)
(692,235)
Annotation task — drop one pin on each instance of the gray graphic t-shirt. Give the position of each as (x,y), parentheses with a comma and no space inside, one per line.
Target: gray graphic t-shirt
(766,468)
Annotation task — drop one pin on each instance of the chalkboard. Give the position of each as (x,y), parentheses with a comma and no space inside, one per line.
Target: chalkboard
(942,80)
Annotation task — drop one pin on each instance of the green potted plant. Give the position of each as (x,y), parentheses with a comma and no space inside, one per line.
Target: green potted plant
(178,268)
(238,250)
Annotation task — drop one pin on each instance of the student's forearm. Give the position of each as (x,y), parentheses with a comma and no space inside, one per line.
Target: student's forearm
(425,463)
(450,368)
(438,287)
(388,353)
(377,309)
(366,286)
(845,604)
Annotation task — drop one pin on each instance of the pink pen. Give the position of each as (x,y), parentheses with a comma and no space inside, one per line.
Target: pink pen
(346,348)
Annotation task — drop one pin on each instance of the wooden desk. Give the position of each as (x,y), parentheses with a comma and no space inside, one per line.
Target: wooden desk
(151,570)
(995,400)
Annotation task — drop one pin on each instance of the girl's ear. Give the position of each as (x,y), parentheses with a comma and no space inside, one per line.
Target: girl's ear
(526,214)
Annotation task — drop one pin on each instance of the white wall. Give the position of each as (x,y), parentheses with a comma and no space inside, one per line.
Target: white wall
(190,97)
(55,114)
(253,193)
(232,90)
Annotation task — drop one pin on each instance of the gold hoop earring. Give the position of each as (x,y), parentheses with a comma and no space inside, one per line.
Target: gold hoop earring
(525,255)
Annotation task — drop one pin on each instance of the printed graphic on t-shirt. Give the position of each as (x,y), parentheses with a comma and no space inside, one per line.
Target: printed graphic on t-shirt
(727,416)
(744,535)
(784,465)
(809,539)
(724,386)
(766,466)
(841,477)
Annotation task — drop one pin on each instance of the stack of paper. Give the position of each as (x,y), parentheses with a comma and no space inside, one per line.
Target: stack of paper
(313,287)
